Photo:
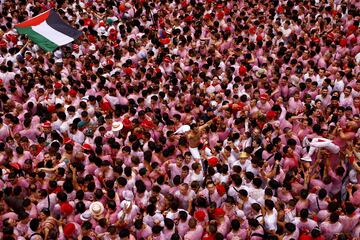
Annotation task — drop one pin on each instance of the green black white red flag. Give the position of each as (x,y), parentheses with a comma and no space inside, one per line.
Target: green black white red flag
(48,30)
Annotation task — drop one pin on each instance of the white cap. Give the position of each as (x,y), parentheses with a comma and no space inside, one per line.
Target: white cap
(128,195)
(92,47)
(213,103)
(35,48)
(58,54)
(357,58)
(240,213)
(64,128)
(125,204)
(103,32)
(85,216)
(85,98)
(353,176)
(109,134)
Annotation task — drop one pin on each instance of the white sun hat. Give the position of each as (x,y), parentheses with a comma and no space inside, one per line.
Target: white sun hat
(116,126)
(96,208)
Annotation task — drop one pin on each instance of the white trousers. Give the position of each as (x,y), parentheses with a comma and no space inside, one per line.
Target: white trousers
(317,143)
(195,153)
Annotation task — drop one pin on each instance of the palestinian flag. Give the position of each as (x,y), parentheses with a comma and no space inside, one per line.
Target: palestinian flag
(48,30)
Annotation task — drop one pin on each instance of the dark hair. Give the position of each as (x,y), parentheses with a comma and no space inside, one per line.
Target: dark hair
(235,224)
(169,223)
(243,193)
(80,207)
(257,182)
(124,233)
(334,217)
(253,223)
(290,227)
(34,224)
(269,204)
(322,193)
(304,213)
(156,229)
(349,208)
(183,215)
(304,193)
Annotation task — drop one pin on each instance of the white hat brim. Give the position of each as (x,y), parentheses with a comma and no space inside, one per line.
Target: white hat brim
(117,128)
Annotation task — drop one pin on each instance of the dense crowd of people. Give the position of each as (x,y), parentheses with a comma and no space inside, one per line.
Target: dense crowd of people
(182,119)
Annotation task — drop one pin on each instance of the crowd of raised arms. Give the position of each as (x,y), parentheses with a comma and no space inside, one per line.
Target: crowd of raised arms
(182,120)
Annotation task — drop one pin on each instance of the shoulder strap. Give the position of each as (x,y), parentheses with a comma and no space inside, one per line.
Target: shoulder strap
(209,197)
(34,234)
(317,203)
(48,199)
(258,235)
(270,157)
(236,189)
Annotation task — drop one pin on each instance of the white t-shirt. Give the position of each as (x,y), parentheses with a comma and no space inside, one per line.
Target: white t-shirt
(271,220)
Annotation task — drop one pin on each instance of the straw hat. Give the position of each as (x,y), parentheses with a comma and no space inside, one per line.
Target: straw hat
(96,208)
(244,155)
(260,72)
(116,126)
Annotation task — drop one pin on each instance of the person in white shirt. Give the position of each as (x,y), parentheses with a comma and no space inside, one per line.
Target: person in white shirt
(253,167)
(185,196)
(255,191)
(235,187)
(246,201)
(286,30)
(346,98)
(339,82)
(76,135)
(222,176)
(320,77)
(244,161)
(311,74)
(324,97)
(196,174)
(270,216)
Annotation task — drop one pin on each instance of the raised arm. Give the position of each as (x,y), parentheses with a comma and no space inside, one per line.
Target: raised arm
(203,127)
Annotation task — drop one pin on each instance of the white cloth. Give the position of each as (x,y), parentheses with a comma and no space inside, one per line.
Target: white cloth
(182,129)
(195,153)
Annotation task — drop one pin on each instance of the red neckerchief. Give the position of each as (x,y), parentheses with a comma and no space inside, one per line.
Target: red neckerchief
(57,189)
(260,125)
